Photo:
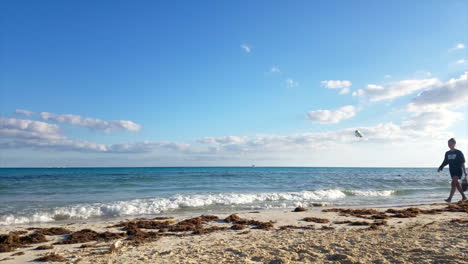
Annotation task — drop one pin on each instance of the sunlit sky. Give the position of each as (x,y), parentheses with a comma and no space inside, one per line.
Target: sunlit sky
(232,83)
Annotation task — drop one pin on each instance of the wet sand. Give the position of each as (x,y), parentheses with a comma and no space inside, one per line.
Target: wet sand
(420,234)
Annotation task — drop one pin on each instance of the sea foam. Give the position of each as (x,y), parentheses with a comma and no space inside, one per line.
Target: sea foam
(186,201)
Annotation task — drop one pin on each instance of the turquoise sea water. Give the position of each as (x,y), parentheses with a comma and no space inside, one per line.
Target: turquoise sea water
(44,195)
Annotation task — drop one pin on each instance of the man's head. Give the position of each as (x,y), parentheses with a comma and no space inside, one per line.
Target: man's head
(452,143)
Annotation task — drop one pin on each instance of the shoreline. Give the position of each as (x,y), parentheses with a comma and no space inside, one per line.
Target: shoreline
(216,241)
(189,213)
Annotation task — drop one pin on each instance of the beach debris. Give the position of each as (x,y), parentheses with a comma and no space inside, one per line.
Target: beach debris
(461,206)
(11,241)
(359,223)
(53,231)
(352,212)
(44,247)
(285,227)
(460,221)
(163,218)
(232,218)
(87,235)
(20,253)
(200,231)
(376,225)
(33,238)
(300,209)
(19,232)
(146,224)
(380,216)
(316,220)
(114,247)
(342,222)
(5,248)
(405,213)
(87,245)
(52,258)
(238,227)
(325,227)
(254,212)
(256,224)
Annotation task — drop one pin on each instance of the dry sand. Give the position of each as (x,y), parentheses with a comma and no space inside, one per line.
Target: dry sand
(437,236)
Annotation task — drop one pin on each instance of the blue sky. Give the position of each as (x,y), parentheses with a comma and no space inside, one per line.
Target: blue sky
(184,71)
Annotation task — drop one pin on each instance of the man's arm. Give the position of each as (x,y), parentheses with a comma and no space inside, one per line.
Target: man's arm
(444,163)
(463,163)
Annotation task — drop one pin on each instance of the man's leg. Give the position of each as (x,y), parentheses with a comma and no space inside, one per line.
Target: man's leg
(452,191)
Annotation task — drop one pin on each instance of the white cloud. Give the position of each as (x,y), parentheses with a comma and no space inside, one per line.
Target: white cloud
(338,84)
(28,129)
(332,116)
(333,84)
(246,48)
(291,83)
(24,112)
(387,76)
(275,69)
(460,61)
(44,136)
(397,89)
(344,91)
(20,133)
(452,93)
(431,121)
(458,46)
(91,123)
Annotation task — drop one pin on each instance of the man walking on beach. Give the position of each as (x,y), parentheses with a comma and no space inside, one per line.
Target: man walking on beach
(456,161)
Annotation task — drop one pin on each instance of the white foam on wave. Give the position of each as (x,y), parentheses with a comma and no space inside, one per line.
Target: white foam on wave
(372,193)
(181,201)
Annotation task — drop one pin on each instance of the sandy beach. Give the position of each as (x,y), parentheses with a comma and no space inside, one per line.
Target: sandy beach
(419,234)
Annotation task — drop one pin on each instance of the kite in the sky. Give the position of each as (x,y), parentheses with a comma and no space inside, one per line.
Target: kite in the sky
(358,133)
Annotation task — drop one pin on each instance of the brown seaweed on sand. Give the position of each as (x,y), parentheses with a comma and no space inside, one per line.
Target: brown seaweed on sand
(300,209)
(461,206)
(460,221)
(202,230)
(44,247)
(163,218)
(352,212)
(20,232)
(11,241)
(238,227)
(316,220)
(18,254)
(53,231)
(52,258)
(405,213)
(359,223)
(146,224)
(342,222)
(232,218)
(257,224)
(87,235)
(286,227)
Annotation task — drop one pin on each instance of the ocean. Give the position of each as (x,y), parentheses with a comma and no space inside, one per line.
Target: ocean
(34,195)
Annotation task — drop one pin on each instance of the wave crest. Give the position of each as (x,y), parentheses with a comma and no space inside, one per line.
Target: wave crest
(183,201)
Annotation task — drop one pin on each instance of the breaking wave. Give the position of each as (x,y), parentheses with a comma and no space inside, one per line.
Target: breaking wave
(186,201)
